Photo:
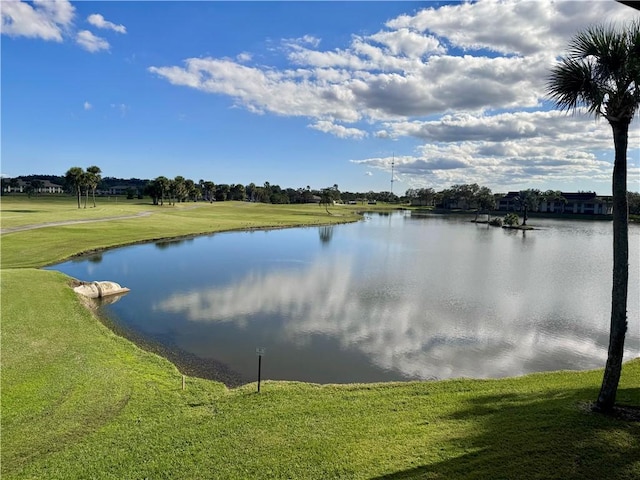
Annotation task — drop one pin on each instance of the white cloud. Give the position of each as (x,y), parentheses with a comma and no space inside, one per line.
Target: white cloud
(480,111)
(409,43)
(45,19)
(368,174)
(304,40)
(552,150)
(339,131)
(90,42)
(87,106)
(457,127)
(511,27)
(52,20)
(98,20)
(244,57)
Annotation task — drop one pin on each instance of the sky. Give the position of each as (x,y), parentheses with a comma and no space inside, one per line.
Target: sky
(303,93)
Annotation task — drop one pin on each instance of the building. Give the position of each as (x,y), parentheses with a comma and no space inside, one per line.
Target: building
(20,186)
(585,203)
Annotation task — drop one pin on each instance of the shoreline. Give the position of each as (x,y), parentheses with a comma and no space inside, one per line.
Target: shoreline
(186,363)
(189,236)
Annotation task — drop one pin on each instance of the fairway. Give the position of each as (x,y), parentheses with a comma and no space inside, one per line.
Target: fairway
(136,222)
(78,401)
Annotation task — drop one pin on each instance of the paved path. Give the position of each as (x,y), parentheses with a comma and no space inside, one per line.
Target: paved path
(22,228)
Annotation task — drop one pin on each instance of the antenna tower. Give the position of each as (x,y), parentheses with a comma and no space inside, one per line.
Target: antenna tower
(393,164)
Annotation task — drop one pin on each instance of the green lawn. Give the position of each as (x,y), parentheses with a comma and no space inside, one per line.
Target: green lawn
(80,402)
(26,248)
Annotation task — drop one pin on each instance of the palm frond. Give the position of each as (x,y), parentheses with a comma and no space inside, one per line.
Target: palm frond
(601,72)
(573,84)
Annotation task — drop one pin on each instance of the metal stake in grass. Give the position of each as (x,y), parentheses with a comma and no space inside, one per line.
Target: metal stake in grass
(260,351)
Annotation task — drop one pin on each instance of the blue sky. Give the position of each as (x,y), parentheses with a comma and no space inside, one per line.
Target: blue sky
(302,93)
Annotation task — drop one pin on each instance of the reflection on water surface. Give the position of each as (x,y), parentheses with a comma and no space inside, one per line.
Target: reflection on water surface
(391,298)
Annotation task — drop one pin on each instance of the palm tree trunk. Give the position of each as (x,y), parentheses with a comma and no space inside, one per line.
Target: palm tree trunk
(94,197)
(79,193)
(613,368)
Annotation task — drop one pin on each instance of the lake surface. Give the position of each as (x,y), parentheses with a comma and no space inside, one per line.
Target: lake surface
(394,297)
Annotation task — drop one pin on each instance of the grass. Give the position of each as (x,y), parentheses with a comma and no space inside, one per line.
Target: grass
(24,249)
(80,402)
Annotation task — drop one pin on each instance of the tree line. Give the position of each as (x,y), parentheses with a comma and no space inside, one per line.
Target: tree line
(83,182)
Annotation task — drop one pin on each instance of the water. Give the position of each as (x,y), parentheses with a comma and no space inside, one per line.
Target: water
(395,297)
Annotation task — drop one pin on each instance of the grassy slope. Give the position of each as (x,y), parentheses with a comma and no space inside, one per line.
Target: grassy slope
(80,402)
(25,249)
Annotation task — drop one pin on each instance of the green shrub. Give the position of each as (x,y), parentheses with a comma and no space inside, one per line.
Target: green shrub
(511,219)
(496,222)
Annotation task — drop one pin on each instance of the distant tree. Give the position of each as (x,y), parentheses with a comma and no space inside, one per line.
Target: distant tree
(387,197)
(93,179)
(602,72)
(485,202)
(447,197)
(427,195)
(153,190)
(193,192)
(466,194)
(29,189)
(179,189)
(279,198)
(86,180)
(222,192)
(238,192)
(423,196)
(162,184)
(209,190)
(528,200)
(555,197)
(335,192)
(250,191)
(326,199)
(74,179)
(36,186)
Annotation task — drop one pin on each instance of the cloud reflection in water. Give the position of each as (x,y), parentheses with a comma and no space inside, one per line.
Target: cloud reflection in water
(417,328)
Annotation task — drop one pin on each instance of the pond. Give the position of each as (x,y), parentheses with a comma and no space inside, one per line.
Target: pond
(394,297)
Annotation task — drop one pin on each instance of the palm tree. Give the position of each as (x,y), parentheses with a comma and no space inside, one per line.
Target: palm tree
(162,184)
(528,201)
(94,177)
(209,190)
(74,178)
(602,73)
(86,184)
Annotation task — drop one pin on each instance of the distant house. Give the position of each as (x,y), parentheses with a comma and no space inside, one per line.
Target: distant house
(586,203)
(119,190)
(508,203)
(423,202)
(21,187)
